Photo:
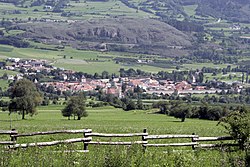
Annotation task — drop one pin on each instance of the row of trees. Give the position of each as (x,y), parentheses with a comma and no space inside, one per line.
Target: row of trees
(183,110)
(125,103)
(14,41)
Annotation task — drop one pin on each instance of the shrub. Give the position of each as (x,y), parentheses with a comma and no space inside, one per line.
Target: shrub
(238,126)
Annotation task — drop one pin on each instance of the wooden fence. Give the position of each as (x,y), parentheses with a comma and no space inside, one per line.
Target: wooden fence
(146,140)
(8,132)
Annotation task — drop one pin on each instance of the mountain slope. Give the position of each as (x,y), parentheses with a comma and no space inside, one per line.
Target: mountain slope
(234,10)
(133,35)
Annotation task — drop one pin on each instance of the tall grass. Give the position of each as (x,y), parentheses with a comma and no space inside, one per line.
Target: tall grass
(119,156)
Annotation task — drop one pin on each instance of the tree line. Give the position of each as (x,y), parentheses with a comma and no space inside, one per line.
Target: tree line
(183,110)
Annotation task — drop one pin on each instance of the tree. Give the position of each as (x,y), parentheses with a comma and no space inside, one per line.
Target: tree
(238,126)
(128,104)
(1,33)
(139,104)
(163,106)
(24,97)
(215,113)
(105,75)
(180,111)
(75,107)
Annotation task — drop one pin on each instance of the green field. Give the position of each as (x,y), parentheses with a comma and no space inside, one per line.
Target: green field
(78,60)
(111,120)
(190,9)
(79,11)
(94,61)
(201,65)
(4,84)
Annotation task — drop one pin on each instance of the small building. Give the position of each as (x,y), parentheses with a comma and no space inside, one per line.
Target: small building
(47,7)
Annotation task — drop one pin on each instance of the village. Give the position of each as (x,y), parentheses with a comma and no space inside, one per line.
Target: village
(67,80)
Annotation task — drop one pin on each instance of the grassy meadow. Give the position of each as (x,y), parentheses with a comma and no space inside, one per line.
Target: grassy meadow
(111,120)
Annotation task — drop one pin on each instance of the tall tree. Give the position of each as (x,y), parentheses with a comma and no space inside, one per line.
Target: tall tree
(24,97)
(75,107)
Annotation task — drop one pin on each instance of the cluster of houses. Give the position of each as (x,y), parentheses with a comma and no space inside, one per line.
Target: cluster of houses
(116,86)
(235,27)
(26,64)
(23,66)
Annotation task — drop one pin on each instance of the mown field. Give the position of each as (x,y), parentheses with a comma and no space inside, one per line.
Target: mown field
(111,120)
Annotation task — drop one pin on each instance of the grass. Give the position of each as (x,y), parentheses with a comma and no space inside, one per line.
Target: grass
(4,84)
(190,9)
(78,60)
(14,32)
(109,8)
(99,67)
(5,48)
(236,76)
(111,120)
(118,156)
(81,11)
(8,72)
(201,65)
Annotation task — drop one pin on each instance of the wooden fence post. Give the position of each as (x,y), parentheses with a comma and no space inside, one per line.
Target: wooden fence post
(13,138)
(85,145)
(193,147)
(144,139)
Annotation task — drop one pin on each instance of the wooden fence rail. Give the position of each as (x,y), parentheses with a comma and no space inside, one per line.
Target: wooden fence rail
(52,143)
(116,135)
(53,132)
(146,139)
(172,144)
(116,143)
(213,138)
(7,142)
(216,145)
(170,136)
(8,132)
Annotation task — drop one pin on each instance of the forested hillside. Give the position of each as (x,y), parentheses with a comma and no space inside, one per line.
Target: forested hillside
(234,10)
